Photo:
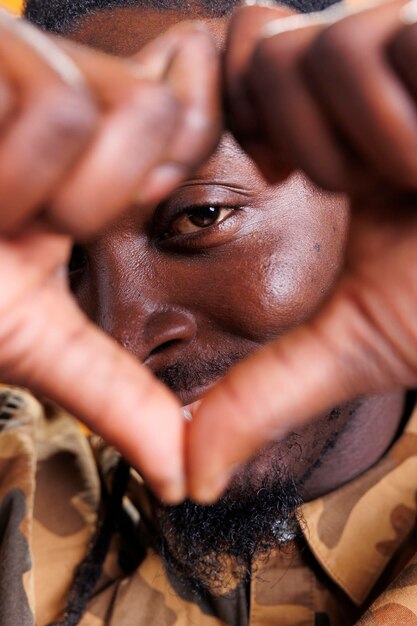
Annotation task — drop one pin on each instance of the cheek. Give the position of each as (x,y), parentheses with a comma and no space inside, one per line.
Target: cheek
(270,295)
(268,286)
(294,281)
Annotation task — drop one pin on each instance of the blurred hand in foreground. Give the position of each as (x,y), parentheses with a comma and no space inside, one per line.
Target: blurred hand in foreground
(87,135)
(339,102)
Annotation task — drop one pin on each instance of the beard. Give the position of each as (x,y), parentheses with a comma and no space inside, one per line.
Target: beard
(213,548)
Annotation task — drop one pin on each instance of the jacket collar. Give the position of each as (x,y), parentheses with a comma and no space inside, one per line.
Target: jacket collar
(355,530)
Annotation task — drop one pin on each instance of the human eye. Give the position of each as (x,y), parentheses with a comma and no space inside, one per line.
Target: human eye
(197,218)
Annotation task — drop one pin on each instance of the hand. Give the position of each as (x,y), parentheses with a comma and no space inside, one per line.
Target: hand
(338,101)
(83,135)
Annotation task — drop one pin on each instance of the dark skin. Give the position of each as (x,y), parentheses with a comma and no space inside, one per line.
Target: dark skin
(162,120)
(341,105)
(179,287)
(71,115)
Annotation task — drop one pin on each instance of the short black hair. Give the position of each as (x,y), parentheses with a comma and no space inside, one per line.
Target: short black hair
(59,16)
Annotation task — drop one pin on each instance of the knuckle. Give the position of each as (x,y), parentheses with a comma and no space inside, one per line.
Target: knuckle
(156,96)
(155,104)
(71,115)
(334,47)
(269,53)
(197,122)
(276,58)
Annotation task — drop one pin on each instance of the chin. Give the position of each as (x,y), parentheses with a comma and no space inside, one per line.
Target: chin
(276,459)
(204,546)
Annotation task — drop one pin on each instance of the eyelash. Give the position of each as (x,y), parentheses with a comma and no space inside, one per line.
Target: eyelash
(203,229)
(79,261)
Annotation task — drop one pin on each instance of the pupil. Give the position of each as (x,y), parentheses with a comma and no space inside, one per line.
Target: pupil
(204,216)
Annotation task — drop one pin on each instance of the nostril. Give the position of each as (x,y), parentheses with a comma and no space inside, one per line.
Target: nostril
(167,331)
(164,346)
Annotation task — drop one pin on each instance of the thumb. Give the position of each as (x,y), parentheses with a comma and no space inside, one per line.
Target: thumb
(52,348)
(336,356)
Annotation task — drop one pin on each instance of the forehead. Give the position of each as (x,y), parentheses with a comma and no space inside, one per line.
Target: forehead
(123,31)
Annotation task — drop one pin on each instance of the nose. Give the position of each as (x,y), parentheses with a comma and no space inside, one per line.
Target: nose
(151,334)
(167,333)
(134,298)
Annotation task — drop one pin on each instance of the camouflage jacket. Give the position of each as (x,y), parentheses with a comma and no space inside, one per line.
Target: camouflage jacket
(356,564)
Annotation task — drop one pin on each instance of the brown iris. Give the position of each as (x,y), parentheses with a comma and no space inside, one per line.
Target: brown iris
(199,217)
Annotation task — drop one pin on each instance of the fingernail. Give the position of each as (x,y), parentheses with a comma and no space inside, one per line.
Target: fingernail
(189,410)
(174,492)
(187,415)
(161,182)
(171,489)
(260,3)
(408,13)
(212,490)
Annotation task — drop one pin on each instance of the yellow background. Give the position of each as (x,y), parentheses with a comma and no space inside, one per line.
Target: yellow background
(14,5)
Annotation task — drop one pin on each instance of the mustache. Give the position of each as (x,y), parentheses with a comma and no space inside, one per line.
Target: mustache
(185,375)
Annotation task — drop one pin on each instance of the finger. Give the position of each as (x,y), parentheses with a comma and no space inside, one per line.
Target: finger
(403,54)
(52,123)
(106,182)
(164,120)
(294,123)
(190,65)
(354,80)
(139,119)
(245,29)
(19,38)
(8,101)
(49,346)
(339,355)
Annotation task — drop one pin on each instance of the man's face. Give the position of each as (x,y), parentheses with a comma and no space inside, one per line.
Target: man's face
(225,265)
